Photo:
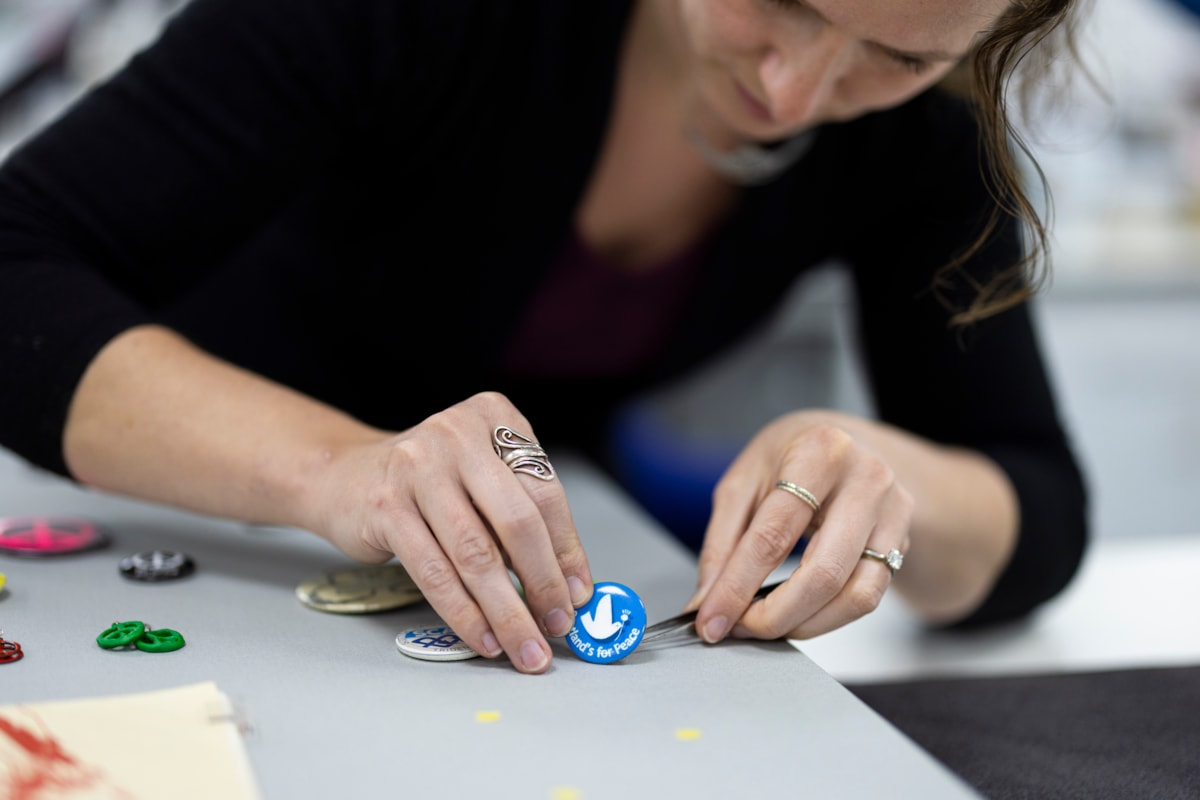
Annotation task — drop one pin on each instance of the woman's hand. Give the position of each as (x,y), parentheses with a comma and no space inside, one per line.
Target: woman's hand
(950,511)
(458,517)
(158,419)
(755,526)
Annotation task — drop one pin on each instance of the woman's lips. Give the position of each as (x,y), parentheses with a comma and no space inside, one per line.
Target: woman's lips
(752,104)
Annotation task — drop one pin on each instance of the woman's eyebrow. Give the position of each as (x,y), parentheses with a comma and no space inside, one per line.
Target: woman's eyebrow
(917,55)
(920,55)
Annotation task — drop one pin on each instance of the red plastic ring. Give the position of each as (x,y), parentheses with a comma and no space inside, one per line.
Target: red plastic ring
(10,651)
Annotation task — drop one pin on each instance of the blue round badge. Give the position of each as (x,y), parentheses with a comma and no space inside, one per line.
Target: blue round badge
(610,626)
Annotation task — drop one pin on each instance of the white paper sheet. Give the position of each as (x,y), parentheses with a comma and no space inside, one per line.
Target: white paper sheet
(182,743)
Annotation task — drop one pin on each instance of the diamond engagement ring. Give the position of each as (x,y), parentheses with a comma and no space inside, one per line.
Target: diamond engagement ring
(893,558)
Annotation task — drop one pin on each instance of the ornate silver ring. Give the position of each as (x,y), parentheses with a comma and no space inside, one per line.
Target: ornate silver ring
(521,453)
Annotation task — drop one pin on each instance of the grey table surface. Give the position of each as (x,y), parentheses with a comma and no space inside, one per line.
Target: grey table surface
(334,710)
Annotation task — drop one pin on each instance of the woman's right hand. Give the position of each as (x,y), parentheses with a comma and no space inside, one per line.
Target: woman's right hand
(438,498)
(156,418)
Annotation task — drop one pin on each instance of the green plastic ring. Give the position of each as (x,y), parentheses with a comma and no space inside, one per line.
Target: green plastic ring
(161,640)
(120,634)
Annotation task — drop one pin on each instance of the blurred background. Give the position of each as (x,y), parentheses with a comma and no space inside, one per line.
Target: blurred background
(1120,320)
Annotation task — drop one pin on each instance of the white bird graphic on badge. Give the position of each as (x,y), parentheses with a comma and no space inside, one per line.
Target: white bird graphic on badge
(601,625)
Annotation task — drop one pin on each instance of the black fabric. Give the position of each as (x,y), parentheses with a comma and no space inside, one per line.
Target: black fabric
(1110,735)
(357,199)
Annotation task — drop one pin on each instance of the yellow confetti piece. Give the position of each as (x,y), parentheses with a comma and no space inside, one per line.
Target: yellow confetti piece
(2,579)
(687,734)
(487,716)
(565,793)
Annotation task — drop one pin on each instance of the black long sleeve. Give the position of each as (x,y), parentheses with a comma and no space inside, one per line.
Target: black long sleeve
(336,195)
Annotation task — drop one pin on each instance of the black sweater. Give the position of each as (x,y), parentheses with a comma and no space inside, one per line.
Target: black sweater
(351,196)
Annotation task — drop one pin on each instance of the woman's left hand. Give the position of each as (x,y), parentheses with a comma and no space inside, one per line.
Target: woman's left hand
(755,525)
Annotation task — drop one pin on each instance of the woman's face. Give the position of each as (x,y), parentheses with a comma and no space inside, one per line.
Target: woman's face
(764,69)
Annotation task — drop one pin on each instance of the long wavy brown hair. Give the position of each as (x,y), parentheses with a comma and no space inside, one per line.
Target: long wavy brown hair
(1011,62)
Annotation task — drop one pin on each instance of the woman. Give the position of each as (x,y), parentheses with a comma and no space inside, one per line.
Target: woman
(302,262)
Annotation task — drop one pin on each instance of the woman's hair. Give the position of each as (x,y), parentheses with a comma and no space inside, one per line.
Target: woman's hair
(1024,46)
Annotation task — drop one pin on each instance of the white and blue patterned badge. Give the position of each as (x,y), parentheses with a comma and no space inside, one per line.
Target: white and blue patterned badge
(434,644)
(610,626)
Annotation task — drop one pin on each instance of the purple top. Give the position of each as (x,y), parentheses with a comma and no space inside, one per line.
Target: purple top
(592,318)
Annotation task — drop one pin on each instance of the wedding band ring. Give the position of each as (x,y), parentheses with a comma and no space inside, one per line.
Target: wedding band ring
(893,559)
(802,493)
(521,453)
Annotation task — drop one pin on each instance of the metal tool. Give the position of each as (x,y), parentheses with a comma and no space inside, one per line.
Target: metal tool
(681,630)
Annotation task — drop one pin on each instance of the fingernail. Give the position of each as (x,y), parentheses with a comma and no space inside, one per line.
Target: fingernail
(491,647)
(558,623)
(715,629)
(532,656)
(579,592)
